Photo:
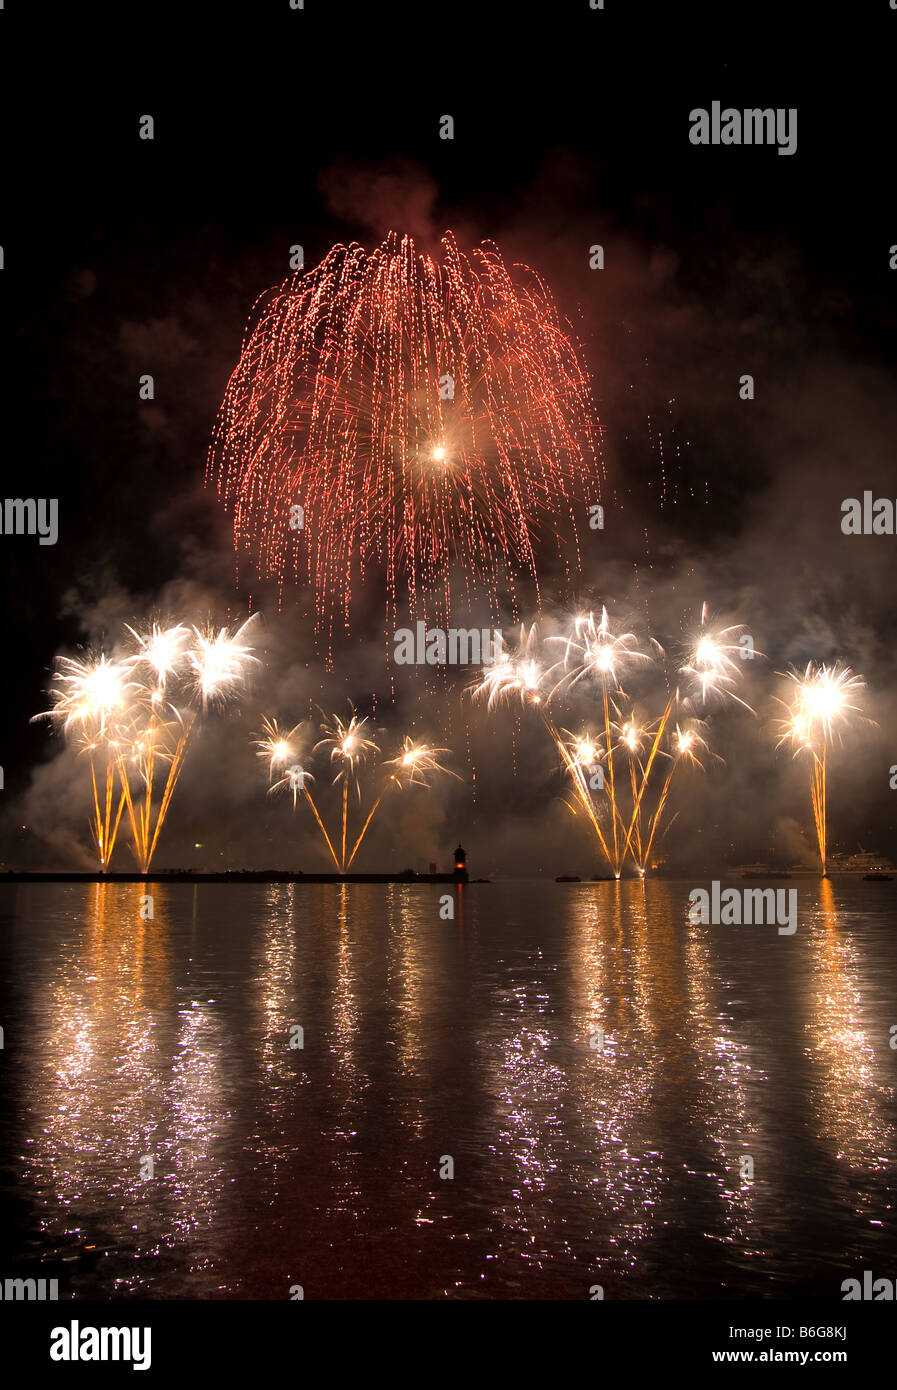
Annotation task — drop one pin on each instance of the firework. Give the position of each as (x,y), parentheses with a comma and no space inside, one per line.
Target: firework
(595,650)
(351,752)
(415,763)
(127,722)
(708,677)
(422,418)
(580,754)
(515,672)
(711,669)
(688,745)
(628,812)
(412,766)
(634,734)
(219,662)
(161,650)
(280,750)
(820,707)
(520,674)
(91,700)
(212,666)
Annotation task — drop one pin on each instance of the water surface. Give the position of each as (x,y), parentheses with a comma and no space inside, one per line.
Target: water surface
(476,1040)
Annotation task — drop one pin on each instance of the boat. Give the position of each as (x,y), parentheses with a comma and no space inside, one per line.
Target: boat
(862,862)
(878,878)
(760,871)
(568,878)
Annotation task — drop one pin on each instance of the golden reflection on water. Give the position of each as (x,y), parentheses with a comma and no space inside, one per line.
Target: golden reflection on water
(101,1061)
(727,1076)
(409,963)
(524,1075)
(347,1079)
(277,1006)
(112,1087)
(853,1106)
(346,1005)
(617,988)
(471,1038)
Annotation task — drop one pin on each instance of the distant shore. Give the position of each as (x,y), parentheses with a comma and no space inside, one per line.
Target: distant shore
(407,876)
(233,876)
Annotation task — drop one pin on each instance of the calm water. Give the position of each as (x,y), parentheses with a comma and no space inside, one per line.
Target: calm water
(424,1038)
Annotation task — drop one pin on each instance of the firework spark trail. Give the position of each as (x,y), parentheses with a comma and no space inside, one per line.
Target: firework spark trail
(820,707)
(518,674)
(711,667)
(412,764)
(632,736)
(640,858)
(280,748)
(598,651)
(104,828)
(592,650)
(351,751)
(686,744)
(656,742)
(427,415)
(710,675)
(119,711)
(90,701)
(582,754)
(215,664)
(818,792)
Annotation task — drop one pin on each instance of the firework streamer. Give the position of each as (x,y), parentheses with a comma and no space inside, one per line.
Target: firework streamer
(212,666)
(123,712)
(350,750)
(91,700)
(708,678)
(429,419)
(594,653)
(597,651)
(820,706)
(280,749)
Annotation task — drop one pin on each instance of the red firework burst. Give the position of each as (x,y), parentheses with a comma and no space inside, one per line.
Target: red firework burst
(421,418)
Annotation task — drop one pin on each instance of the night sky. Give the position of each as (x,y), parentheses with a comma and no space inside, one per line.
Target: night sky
(275,127)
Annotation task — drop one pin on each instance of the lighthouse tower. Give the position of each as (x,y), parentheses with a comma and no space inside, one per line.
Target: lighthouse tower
(460,874)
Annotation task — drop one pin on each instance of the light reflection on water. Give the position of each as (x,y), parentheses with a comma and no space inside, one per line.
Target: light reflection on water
(852,1101)
(423,1039)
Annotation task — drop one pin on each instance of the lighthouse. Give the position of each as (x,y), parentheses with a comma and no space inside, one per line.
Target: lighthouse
(460,873)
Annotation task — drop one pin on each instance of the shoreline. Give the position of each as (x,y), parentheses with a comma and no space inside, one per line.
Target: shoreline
(232,876)
(407,876)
